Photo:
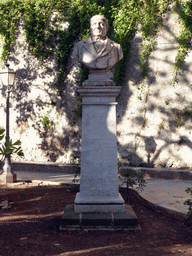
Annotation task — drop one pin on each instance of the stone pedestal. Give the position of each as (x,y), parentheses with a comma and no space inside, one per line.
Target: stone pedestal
(72,220)
(98,205)
(99,167)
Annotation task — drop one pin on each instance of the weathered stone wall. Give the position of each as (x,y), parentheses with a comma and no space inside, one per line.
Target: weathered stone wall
(44,121)
(151,128)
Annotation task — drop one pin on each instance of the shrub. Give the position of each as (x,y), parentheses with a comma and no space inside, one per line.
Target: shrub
(132,179)
(9,148)
(189,201)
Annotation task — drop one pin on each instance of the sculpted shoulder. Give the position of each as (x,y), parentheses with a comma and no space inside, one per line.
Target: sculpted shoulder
(77,51)
(119,50)
(82,42)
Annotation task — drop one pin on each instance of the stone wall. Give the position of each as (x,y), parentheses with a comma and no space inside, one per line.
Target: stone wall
(153,117)
(154,123)
(43,120)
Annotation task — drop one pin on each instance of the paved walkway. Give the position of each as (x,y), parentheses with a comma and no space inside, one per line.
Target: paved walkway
(167,193)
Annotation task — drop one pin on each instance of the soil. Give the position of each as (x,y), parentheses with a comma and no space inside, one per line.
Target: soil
(29,226)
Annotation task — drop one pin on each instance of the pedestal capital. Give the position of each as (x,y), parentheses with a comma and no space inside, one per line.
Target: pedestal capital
(99,91)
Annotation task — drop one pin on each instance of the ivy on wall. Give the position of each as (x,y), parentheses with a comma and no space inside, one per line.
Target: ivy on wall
(44,38)
(184,9)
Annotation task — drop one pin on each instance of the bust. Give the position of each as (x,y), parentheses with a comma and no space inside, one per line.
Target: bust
(98,52)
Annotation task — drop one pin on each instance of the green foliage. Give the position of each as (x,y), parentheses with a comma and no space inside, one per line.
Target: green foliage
(47,123)
(84,74)
(181,116)
(124,16)
(10,12)
(166,102)
(184,10)
(2,133)
(40,19)
(119,164)
(179,119)
(36,16)
(161,125)
(78,108)
(150,20)
(189,201)
(133,179)
(9,148)
(77,171)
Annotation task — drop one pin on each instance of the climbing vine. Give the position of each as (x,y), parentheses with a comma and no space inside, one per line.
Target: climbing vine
(10,12)
(40,19)
(184,9)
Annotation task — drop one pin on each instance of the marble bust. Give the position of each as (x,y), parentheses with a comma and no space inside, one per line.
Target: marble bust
(98,52)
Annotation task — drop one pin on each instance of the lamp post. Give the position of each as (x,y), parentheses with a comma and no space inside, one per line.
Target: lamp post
(7,77)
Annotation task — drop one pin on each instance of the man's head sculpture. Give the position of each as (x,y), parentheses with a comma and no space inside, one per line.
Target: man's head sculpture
(98,26)
(98,52)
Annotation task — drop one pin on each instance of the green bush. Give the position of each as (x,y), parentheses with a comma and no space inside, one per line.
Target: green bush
(184,9)
(47,123)
(77,171)
(9,148)
(132,179)
(189,201)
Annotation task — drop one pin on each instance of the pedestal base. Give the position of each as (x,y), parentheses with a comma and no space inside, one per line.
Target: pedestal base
(8,178)
(99,78)
(72,220)
(105,204)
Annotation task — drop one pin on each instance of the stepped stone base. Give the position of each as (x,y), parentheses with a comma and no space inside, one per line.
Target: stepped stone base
(8,178)
(98,204)
(72,220)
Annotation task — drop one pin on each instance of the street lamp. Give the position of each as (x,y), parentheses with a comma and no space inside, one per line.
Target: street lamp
(7,77)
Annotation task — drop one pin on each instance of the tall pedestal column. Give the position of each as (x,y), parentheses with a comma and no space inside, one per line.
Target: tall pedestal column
(99,168)
(98,205)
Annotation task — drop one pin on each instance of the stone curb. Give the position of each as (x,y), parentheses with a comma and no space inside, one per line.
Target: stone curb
(163,173)
(160,209)
(42,168)
(156,173)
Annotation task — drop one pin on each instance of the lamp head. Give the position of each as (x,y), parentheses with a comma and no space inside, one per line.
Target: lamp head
(7,76)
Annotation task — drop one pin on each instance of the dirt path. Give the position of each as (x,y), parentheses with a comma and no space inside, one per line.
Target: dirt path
(30,227)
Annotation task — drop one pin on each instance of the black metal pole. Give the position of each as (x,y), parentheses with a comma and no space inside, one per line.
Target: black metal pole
(7,176)
(7,163)
(7,157)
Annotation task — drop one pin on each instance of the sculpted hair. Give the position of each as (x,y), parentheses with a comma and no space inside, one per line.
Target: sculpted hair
(99,17)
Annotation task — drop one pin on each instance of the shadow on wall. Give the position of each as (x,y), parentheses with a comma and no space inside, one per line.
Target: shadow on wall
(152,153)
(38,106)
(53,117)
(142,101)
